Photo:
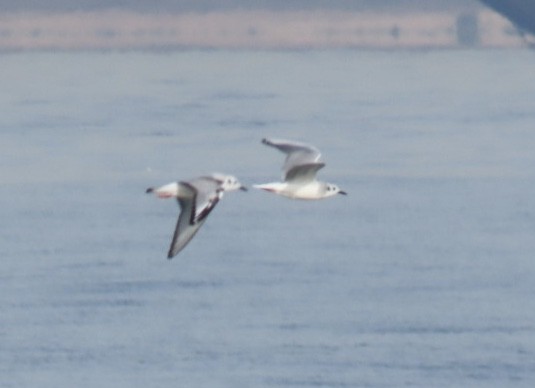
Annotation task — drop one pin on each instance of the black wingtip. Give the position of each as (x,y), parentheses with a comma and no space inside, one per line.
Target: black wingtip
(149,190)
(265,141)
(342,192)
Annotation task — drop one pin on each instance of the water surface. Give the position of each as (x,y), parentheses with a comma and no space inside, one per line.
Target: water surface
(422,276)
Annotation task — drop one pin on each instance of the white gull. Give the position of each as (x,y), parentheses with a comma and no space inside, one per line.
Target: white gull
(299,172)
(197,198)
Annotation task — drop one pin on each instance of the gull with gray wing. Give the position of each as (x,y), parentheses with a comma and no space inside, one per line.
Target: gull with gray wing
(196,198)
(299,172)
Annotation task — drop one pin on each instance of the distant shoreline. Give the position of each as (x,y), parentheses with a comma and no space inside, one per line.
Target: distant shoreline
(124,30)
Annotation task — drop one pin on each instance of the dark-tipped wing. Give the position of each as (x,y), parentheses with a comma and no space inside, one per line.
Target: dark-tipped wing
(208,192)
(193,212)
(296,153)
(184,230)
(303,172)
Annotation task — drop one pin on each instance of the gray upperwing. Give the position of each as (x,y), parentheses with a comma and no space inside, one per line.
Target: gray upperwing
(296,153)
(208,194)
(184,230)
(194,210)
(303,173)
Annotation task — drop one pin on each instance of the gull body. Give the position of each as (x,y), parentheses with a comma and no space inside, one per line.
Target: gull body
(197,198)
(299,172)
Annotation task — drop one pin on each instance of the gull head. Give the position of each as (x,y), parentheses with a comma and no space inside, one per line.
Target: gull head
(331,190)
(229,182)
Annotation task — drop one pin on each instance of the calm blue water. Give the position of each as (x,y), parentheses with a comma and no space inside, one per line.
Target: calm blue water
(424,276)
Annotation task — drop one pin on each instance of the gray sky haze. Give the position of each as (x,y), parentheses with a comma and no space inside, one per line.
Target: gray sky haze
(167,24)
(208,5)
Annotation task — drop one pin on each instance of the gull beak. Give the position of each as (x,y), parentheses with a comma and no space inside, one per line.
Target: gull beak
(342,192)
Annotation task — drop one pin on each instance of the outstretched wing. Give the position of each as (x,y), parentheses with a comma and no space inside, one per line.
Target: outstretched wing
(194,208)
(297,154)
(184,230)
(303,172)
(208,193)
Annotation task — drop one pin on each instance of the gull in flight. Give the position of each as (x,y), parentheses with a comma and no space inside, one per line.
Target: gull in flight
(197,198)
(299,172)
